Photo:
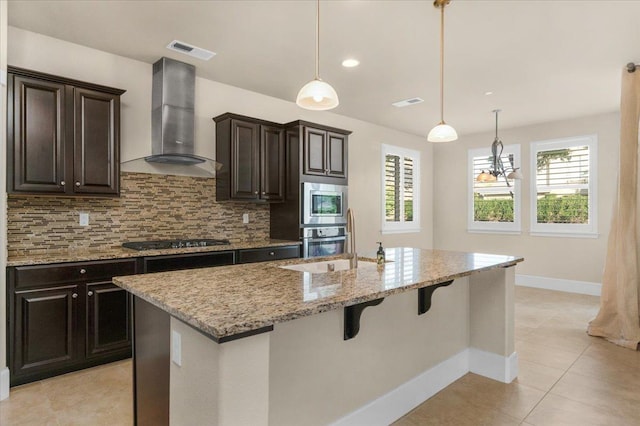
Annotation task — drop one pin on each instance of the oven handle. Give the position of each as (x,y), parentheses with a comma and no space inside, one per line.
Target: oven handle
(328,240)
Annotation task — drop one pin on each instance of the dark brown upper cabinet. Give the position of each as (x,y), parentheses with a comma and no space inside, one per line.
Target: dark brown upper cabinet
(63,135)
(252,155)
(323,154)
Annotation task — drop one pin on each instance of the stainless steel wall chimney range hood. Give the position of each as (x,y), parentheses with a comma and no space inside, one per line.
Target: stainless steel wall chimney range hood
(172,115)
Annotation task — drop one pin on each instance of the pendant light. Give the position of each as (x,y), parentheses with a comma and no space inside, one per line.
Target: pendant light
(496,168)
(317,94)
(442,132)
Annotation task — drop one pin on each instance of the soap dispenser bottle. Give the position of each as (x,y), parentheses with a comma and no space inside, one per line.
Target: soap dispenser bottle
(380,254)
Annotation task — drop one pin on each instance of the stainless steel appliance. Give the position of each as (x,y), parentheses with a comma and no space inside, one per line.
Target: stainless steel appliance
(323,204)
(323,241)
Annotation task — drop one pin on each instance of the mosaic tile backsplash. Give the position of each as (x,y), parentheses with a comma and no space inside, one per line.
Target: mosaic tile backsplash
(150,206)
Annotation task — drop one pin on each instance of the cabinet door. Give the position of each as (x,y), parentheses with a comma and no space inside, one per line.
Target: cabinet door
(36,136)
(337,155)
(315,148)
(108,320)
(46,329)
(271,163)
(244,160)
(96,142)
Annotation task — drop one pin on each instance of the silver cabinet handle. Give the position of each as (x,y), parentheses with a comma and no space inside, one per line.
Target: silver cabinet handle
(74,295)
(62,183)
(83,271)
(256,192)
(264,193)
(271,253)
(90,293)
(77,183)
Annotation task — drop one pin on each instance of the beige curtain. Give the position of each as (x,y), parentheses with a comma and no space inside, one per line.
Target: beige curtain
(619,320)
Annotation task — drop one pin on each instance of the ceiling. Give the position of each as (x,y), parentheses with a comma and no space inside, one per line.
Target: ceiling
(543,60)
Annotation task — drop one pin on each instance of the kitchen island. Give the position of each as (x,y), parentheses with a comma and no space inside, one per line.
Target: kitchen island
(259,344)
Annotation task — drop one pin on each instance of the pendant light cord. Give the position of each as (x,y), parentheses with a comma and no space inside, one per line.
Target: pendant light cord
(318,40)
(442,63)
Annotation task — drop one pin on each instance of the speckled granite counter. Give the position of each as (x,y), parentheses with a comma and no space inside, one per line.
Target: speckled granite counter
(232,300)
(122,253)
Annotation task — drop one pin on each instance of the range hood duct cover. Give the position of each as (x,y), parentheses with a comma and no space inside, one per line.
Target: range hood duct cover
(172,114)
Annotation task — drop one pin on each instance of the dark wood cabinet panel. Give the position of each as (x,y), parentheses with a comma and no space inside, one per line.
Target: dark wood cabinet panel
(252,155)
(337,155)
(63,135)
(96,142)
(36,133)
(174,262)
(108,316)
(244,160)
(268,253)
(272,163)
(315,148)
(46,323)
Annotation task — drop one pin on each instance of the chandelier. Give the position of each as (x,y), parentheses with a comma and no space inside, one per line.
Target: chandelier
(496,168)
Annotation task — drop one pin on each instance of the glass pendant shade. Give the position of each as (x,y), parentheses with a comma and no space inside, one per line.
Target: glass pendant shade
(317,95)
(515,174)
(442,133)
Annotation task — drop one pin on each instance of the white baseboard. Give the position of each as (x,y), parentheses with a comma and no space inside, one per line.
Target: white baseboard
(395,404)
(559,284)
(493,366)
(4,383)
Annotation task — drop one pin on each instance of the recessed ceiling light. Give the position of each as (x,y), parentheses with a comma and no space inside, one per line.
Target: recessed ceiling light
(489,93)
(191,50)
(350,63)
(407,102)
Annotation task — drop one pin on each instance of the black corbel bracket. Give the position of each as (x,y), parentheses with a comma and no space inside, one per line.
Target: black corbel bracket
(425,294)
(352,317)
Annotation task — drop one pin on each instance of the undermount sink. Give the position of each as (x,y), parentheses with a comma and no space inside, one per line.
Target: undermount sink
(325,266)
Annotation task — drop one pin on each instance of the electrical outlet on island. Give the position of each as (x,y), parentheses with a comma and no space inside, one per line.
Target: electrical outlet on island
(245,218)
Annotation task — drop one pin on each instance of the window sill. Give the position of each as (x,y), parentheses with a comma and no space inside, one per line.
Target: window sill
(494,231)
(564,234)
(401,231)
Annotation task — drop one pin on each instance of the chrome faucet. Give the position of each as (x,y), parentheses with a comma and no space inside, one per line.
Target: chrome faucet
(351,245)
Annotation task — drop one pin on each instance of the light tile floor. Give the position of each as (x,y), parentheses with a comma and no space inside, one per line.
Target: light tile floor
(566,378)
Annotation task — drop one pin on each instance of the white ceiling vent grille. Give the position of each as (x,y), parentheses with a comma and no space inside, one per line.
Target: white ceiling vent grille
(188,49)
(407,102)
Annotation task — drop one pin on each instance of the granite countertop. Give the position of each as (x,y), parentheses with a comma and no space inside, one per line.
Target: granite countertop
(123,253)
(227,301)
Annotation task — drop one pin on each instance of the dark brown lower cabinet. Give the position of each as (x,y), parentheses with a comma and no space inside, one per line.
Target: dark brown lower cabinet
(108,319)
(67,317)
(46,330)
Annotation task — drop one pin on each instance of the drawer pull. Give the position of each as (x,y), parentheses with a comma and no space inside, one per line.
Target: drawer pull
(271,253)
(62,183)
(74,295)
(90,293)
(77,183)
(83,271)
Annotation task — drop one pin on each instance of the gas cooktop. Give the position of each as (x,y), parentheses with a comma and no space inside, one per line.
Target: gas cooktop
(173,244)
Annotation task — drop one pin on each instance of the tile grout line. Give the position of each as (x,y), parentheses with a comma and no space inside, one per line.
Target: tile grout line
(556,382)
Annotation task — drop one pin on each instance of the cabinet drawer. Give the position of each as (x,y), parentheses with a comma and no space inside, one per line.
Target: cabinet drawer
(268,253)
(46,275)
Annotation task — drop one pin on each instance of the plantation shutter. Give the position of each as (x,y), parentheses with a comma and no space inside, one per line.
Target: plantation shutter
(399,188)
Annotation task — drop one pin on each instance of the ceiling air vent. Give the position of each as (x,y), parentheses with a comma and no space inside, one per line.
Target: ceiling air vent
(190,50)
(407,102)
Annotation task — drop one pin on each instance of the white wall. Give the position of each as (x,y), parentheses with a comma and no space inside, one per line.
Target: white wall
(580,259)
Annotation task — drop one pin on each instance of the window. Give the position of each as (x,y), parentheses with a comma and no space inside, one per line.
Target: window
(494,206)
(563,186)
(401,186)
